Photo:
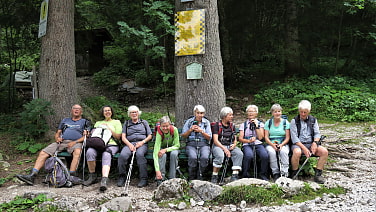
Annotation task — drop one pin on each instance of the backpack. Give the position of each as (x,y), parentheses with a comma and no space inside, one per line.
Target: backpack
(127,125)
(57,173)
(158,129)
(284,118)
(99,139)
(220,130)
(311,122)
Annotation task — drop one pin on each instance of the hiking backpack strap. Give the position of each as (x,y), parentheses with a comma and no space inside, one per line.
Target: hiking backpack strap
(171,131)
(311,123)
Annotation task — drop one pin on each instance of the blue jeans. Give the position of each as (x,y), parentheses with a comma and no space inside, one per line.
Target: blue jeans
(249,157)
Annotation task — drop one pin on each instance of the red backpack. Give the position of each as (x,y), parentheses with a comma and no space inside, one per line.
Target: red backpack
(158,129)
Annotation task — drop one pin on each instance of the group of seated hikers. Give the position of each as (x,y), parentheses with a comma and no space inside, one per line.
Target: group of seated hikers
(268,143)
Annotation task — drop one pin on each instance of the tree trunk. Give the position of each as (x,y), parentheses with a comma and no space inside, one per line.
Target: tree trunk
(292,47)
(208,91)
(57,74)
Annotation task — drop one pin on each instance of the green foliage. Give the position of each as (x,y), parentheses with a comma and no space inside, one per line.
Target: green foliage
(307,193)
(27,144)
(33,118)
(273,195)
(23,204)
(2,181)
(254,194)
(335,98)
(97,102)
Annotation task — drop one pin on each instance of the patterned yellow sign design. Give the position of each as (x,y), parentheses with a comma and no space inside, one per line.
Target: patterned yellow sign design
(190,33)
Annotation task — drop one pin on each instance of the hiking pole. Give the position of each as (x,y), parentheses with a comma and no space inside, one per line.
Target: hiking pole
(127,182)
(301,167)
(306,160)
(224,171)
(279,159)
(190,184)
(84,162)
(254,161)
(198,156)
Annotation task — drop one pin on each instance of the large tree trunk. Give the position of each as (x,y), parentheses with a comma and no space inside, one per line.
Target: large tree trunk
(57,74)
(208,91)
(292,45)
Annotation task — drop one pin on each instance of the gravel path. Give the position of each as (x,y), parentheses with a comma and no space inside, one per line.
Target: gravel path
(353,165)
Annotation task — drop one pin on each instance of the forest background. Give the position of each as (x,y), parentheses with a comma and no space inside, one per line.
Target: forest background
(273,52)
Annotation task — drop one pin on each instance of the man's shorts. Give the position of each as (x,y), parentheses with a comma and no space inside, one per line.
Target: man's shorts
(63,146)
(308,145)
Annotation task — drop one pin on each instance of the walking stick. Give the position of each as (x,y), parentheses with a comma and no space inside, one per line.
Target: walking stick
(127,182)
(198,156)
(297,173)
(279,159)
(84,162)
(306,160)
(254,162)
(224,171)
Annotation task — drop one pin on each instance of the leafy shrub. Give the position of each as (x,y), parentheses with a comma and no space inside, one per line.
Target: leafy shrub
(97,102)
(22,204)
(335,98)
(33,118)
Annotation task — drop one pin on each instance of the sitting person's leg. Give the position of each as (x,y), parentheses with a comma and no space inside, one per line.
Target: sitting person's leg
(122,165)
(248,157)
(296,154)
(264,158)
(91,156)
(322,153)
(39,163)
(142,165)
(174,162)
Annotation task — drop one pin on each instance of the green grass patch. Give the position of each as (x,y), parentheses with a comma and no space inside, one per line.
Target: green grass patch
(273,195)
(23,204)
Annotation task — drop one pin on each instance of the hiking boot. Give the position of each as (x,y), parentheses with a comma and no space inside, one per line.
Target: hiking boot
(263,177)
(276,176)
(191,173)
(214,179)
(234,177)
(142,183)
(29,179)
(121,180)
(103,186)
(285,174)
(318,178)
(293,173)
(92,178)
(159,182)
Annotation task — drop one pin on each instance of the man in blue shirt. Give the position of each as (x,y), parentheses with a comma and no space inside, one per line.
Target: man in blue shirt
(305,136)
(198,133)
(69,137)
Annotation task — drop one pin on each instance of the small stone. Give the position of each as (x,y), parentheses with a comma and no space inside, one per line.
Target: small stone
(193,202)
(171,205)
(200,203)
(243,204)
(182,205)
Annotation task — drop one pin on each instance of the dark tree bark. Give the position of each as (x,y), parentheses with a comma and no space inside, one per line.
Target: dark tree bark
(208,91)
(57,72)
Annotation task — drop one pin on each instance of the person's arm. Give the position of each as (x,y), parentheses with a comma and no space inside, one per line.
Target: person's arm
(176,141)
(186,129)
(116,133)
(58,137)
(207,132)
